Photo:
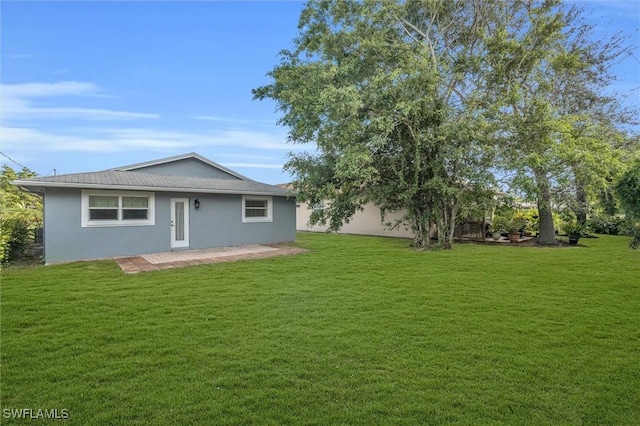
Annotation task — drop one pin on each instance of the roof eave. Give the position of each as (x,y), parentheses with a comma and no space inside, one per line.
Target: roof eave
(27,186)
(41,184)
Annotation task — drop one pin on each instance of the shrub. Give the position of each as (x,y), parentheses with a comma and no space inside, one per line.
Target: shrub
(16,235)
(628,190)
(608,224)
(499,224)
(573,229)
(20,214)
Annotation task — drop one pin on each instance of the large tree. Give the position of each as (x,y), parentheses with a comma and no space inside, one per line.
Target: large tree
(408,101)
(387,93)
(545,77)
(597,120)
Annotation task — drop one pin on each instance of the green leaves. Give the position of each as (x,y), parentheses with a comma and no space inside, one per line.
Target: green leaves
(628,190)
(413,105)
(546,76)
(378,87)
(20,213)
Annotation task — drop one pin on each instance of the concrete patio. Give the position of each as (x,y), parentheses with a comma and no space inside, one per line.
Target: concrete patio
(179,259)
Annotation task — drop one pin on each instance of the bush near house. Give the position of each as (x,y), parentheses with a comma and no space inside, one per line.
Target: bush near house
(20,214)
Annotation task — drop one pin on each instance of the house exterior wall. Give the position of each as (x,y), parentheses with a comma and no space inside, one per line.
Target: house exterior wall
(217,223)
(365,222)
(186,167)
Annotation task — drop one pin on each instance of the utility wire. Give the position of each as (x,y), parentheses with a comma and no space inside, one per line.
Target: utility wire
(12,160)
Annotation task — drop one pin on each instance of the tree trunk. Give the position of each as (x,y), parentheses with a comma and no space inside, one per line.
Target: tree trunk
(421,235)
(418,233)
(445,225)
(452,227)
(440,230)
(546,231)
(581,205)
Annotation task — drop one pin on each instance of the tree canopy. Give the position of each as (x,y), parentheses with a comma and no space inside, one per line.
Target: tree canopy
(414,105)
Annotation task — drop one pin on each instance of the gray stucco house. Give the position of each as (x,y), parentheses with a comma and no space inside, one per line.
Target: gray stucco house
(175,203)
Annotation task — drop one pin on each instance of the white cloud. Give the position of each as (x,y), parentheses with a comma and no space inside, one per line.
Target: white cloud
(127,139)
(249,157)
(229,121)
(31,139)
(60,88)
(254,165)
(22,112)
(233,138)
(253,139)
(19,102)
(226,120)
(27,127)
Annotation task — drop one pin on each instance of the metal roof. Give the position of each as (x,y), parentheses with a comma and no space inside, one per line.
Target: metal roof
(126,180)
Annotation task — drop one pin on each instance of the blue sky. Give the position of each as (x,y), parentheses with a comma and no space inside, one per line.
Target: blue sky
(92,85)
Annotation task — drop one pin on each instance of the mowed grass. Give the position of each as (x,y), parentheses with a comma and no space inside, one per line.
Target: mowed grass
(360,330)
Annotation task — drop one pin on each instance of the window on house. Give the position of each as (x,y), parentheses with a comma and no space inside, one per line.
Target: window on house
(103,207)
(135,208)
(117,208)
(256,209)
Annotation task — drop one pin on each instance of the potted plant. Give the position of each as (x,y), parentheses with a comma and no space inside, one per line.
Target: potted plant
(513,227)
(574,231)
(497,227)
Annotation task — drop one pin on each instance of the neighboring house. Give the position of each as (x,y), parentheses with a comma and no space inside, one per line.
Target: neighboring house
(365,222)
(175,203)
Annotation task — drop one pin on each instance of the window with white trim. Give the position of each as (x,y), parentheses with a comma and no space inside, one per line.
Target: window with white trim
(319,206)
(257,209)
(117,208)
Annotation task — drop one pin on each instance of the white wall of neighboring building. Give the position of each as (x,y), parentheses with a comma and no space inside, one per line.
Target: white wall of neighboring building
(365,222)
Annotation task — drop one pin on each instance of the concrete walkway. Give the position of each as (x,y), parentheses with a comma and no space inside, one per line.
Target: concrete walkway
(179,259)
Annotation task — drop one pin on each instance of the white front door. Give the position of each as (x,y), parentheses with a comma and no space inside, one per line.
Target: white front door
(179,222)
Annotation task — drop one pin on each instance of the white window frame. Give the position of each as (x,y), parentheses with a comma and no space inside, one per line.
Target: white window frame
(88,223)
(269,201)
(319,206)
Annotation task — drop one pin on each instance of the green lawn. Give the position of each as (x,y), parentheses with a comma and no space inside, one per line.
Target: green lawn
(360,330)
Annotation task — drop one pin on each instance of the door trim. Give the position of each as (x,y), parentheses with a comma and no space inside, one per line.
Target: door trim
(175,243)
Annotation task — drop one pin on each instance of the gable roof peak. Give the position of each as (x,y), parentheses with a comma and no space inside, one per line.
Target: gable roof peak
(136,166)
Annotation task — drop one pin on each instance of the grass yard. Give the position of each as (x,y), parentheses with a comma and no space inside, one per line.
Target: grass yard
(360,330)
